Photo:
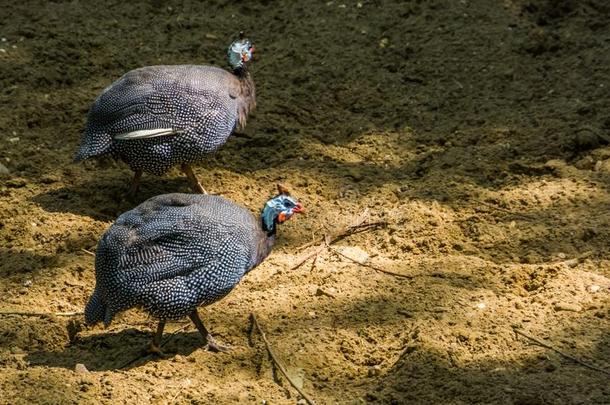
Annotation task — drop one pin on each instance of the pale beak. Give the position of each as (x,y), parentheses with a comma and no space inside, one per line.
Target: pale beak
(299,209)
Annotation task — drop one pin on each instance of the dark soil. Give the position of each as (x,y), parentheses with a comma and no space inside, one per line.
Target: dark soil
(479,130)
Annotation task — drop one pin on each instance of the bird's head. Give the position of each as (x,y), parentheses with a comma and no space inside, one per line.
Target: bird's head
(240,52)
(279,209)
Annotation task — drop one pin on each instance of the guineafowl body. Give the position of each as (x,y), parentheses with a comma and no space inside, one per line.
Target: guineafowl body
(175,252)
(157,117)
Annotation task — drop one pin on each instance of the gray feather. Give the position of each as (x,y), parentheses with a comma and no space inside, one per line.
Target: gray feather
(173,253)
(201,105)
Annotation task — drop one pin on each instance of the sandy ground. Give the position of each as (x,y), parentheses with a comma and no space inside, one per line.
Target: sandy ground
(479,130)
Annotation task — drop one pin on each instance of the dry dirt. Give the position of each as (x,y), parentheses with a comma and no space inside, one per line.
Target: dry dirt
(479,130)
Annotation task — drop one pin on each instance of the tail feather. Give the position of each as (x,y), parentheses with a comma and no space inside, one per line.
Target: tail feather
(95,311)
(88,151)
(81,155)
(93,143)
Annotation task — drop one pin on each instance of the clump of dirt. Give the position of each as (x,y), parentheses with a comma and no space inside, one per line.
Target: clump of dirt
(478,130)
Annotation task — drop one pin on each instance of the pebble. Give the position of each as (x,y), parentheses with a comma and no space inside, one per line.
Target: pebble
(328,293)
(405,313)
(15,183)
(602,166)
(564,306)
(354,253)
(593,288)
(374,371)
(16,350)
(81,369)
(4,169)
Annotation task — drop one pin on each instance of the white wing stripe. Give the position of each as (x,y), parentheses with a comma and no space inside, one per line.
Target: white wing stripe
(146,133)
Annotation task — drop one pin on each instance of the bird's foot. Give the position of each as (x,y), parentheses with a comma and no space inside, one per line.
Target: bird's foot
(198,188)
(195,184)
(212,345)
(155,350)
(135,186)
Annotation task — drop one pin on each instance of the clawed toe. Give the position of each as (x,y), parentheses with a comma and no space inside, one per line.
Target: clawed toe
(153,349)
(213,346)
(195,185)
(198,188)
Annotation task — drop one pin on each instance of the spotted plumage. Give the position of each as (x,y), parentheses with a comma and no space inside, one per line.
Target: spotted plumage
(176,252)
(157,117)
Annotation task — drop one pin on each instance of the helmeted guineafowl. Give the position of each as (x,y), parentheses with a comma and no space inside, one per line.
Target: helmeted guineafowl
(157,117)
(175,252)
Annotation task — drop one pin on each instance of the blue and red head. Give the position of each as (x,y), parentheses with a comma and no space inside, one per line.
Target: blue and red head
(240,52)
(279,209)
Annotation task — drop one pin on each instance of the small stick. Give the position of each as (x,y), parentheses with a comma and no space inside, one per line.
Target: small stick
(88,252)
(345,230)
(353,229)
(567,356)
(184,384)
(277,363)
(391,273)
(23,313)
(313,264)
(360,225)
(405,348)
(309,255)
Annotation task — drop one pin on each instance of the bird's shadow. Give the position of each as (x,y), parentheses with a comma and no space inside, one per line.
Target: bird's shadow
(120,350)
(105,198)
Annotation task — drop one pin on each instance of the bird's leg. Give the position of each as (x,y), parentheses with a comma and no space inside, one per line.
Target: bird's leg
(135,183)
(208,340)
(155,345)
(195,185)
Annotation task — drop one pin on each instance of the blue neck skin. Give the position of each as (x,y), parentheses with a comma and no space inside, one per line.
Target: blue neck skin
(268,216)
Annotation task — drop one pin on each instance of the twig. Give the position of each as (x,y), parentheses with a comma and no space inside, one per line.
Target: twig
(88,252)
(313,264)
(391,273)
(184,384)
(277,363)
(309,255)
(360,225)
(567,356)
(23,313)
(408,347)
